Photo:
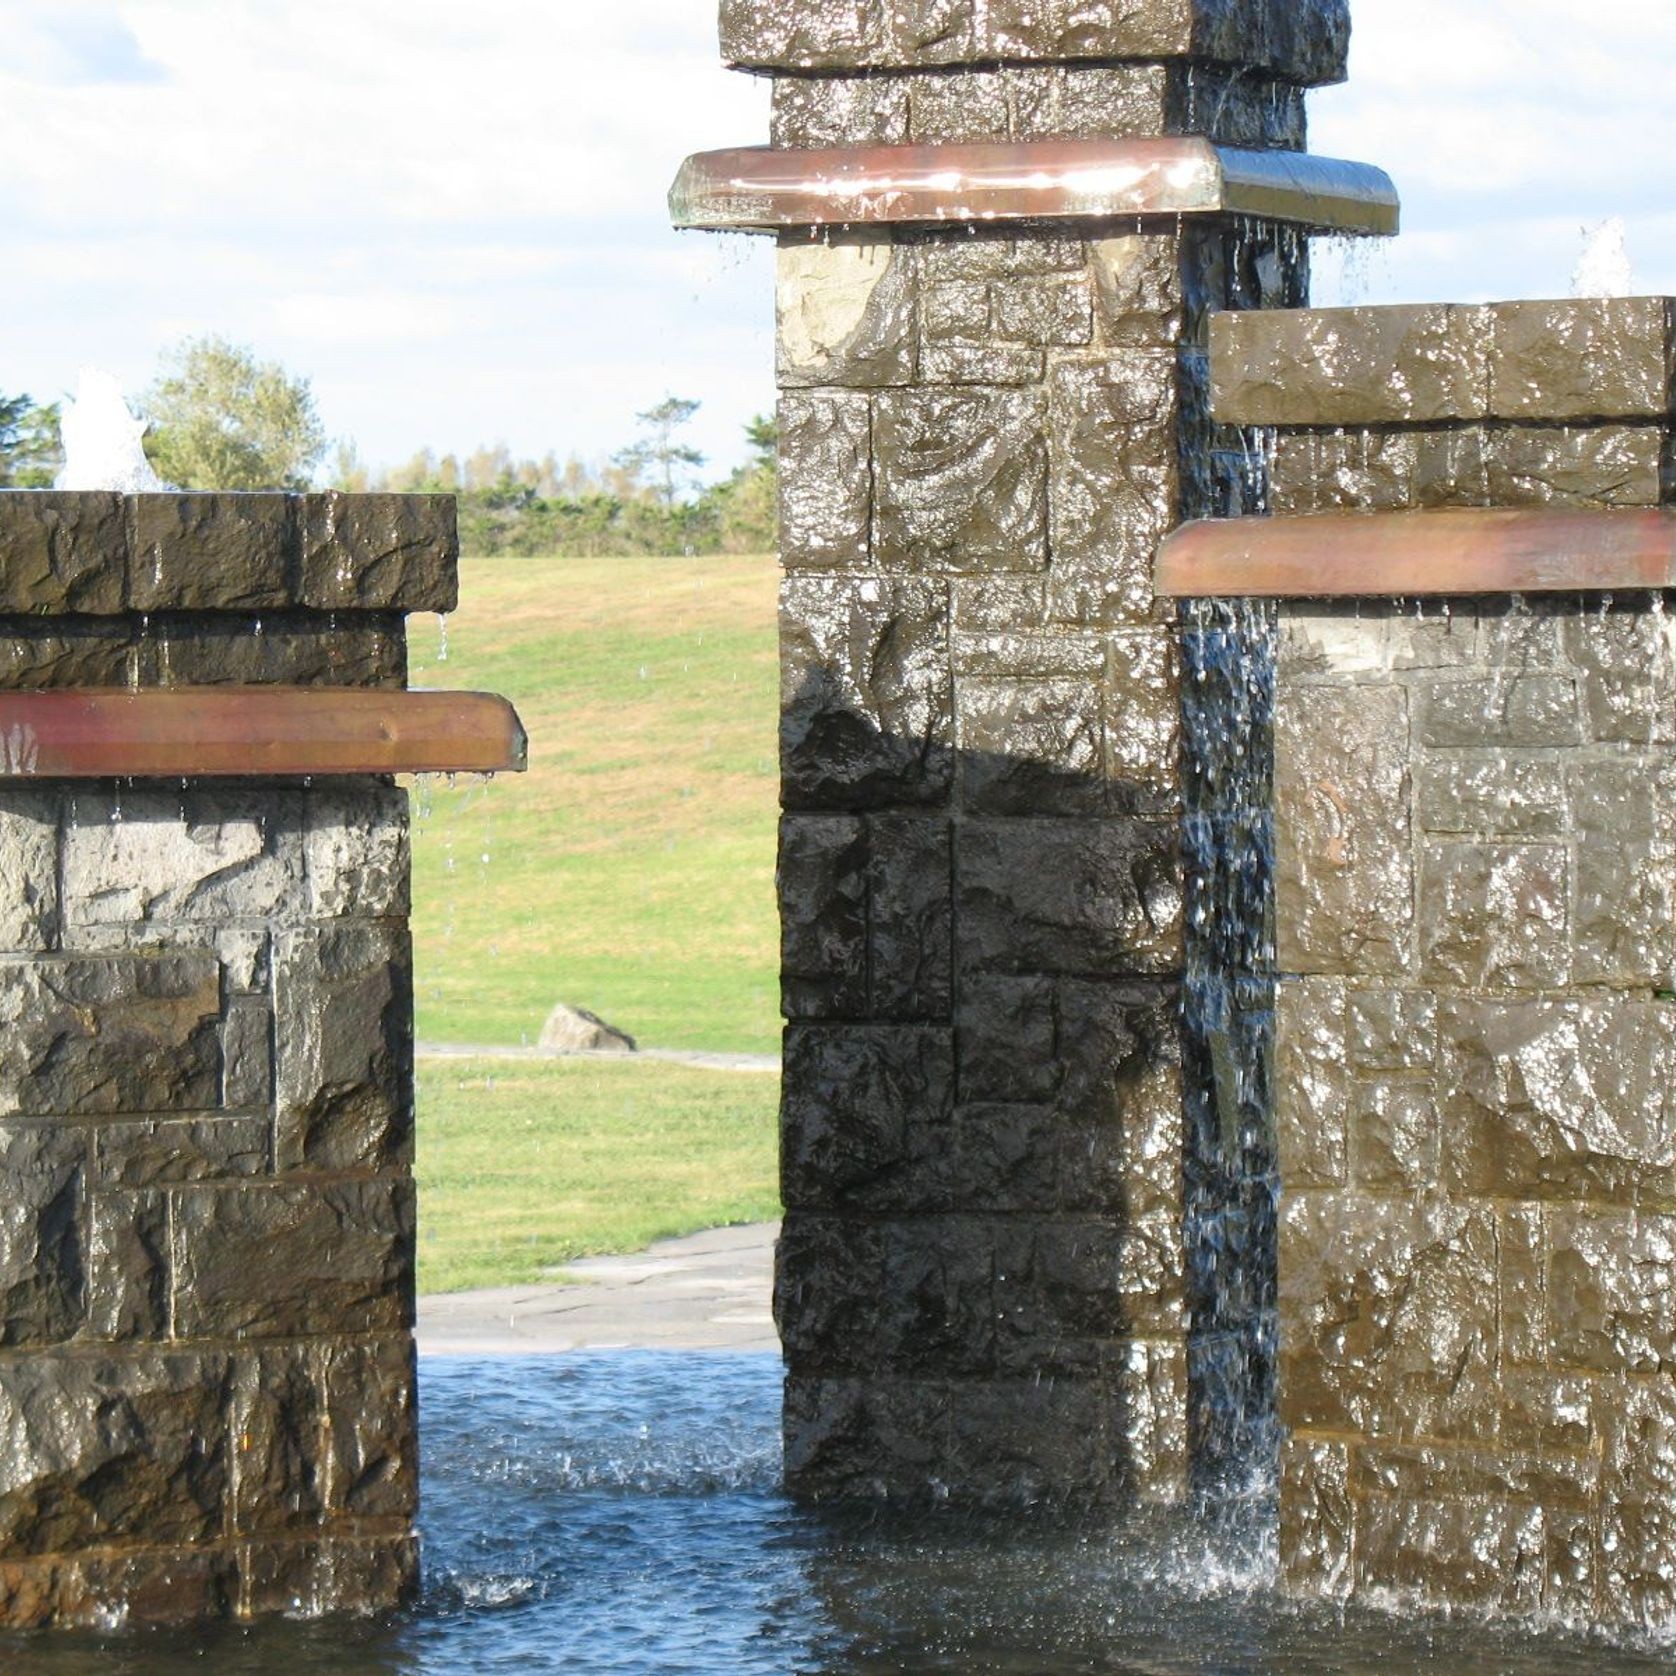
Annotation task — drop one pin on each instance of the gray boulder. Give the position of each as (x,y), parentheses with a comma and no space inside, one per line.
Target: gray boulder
(574,1030)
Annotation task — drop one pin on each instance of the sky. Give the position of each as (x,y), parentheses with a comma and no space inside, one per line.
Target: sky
(451,218)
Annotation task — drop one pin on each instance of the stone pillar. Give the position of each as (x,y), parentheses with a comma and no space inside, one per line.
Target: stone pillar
(1476,836)
(206,1100)
(1003,1203)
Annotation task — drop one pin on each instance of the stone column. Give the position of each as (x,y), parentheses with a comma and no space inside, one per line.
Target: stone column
(1003,1202)
(206,1101)
(1476,837)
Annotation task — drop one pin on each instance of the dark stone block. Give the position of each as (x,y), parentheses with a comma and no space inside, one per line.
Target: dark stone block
(380,552)
(155,1589)
(1586,358)
(39,654)
(247,1055)
(110,1033)
(372,1441)
(358,1575)
(1064,1295)
(284,648)
(866,715)
(866,1438)
(1099,898)
(1030,1441)
(960,480)
(828,1299)
(822,881)
(1008,1040)
(212,552)
(293,1259)
(164,1154)
(826,481)
(910,910)
(866,1116)
(128,1271)
(62,554)
(343,1031)
(107,1450)
(1031,747)
(936,1307)
(43,1257)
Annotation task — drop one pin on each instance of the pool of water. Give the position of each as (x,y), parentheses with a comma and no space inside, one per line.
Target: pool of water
(621,1513)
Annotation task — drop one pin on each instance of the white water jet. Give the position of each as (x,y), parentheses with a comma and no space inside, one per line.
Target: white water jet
(1603,270)
(102,440)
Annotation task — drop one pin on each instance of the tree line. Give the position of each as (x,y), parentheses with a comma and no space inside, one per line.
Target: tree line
(220,418)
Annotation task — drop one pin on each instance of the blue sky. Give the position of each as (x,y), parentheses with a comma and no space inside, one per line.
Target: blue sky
(451,217)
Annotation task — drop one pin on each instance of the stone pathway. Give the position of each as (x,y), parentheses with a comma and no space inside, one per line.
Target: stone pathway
(708,1291)
(768,1064)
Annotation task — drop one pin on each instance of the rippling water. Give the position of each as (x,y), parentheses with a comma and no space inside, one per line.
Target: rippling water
(620,1513)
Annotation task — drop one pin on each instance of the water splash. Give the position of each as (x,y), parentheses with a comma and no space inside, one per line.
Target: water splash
(1603,269)
(102,440)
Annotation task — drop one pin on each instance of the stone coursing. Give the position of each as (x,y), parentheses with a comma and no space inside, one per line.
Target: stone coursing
(206,1118)
(1002,1161)
(1476,871)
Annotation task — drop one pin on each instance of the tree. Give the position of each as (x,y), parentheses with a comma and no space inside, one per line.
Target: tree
(659,452)
(221,419)
(31,449)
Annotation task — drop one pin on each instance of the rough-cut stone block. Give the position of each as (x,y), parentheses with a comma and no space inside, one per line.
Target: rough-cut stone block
(1494,915)
(1611,1280)
(816,112)
(1143,721)
(283,648)
(291,1259)
(1507,708)
(1585,358)
(356,850)
(961,480)
(829,1304)
(1317,1518)
(1489,1554)
(1139,298)
(96,1451)
(910,910)
(161,1154)
(1101,898)
(866,1117)
(1311,1084)
(1030,747)
(1498,794)
(937,1278)
(297,1578)
(379,552)
(247,1055)
(28,870)
(62,554)
(199,856)
(110,1033)
(866,708)
(1114,484)
(1344,868)
(1623,911)
(823,916)
(1007,1040)
(42,653)
(128,1272)
(846,313)
(211,552)
(826,481)
(1374,637)
(1414,364)
(43,1254)
(1595,465)
(371,1413)
(343,1033)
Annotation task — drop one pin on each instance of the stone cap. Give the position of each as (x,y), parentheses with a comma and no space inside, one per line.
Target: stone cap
(99,554)
(1304,41)
(1561,362)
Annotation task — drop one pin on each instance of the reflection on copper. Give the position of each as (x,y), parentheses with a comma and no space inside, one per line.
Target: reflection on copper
(761,189)
(1459,551)
(210,732)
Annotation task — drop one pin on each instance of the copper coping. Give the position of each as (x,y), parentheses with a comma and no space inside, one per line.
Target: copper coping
(201,732)
(1465,551)
(761,189)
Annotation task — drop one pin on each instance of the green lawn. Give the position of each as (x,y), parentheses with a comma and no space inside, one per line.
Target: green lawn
(631,871)
(527,1164)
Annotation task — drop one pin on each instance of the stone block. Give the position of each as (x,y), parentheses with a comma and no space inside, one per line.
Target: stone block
(1312,1084)
(1030,747)
(1317,1518)
(379,552)
(1599,465)
(866,711)
(1494,915)
(1147,1421)
(293,1259)
(370,1407)
(1638,1561)
(822,881)
(83,1035)
(866,1117)
(1344,871)
(1611,1279)
(357,850)
(1090,102)
(973,106)
(1114,484)
(212,552)
(1584,358)
(62,554)
(910,910)
(1373,637)
(935,1313)
(283,648)
(157,1589)
(175,1150)
(100,1451)
(343,1033)
(1143,721)
(826,481)
(1007,1040)
(320,1577)
(1139,295)
(29,823)
(865,1438)
(128,1271)
(1392,1029)
(1559,1099)
(1411,365)
(829,1302)
(1523,1321)
(1002,605)
(1394,1130)
(815,112)
(846,312)
(1015,1158)
(1624,651)
(1101,899)
(1502,794)
(247,1055)
(1068,1293)
(43,1255)
(42,653)
(1490,1555)
(1507,709)
(960,480)
(182,856)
